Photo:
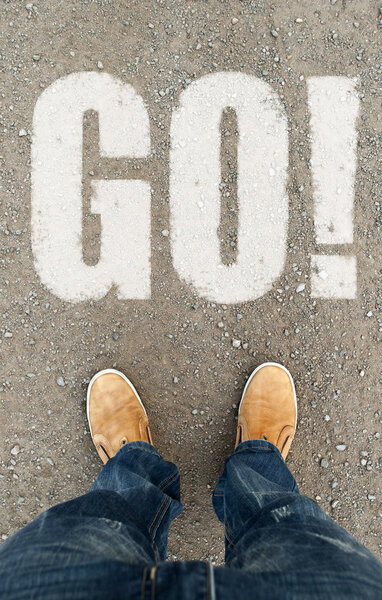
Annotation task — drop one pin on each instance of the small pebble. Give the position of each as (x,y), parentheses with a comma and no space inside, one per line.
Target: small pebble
(234,21)
(341,447)
(324,463)
(22,133)
(300,288)
(236,343)
(165,232)
(60,381)
(15,450)
(194,411)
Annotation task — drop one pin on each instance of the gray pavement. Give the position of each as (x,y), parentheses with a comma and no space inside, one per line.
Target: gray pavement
(189,356)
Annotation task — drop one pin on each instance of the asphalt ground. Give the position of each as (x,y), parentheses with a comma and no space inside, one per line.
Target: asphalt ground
(189,356)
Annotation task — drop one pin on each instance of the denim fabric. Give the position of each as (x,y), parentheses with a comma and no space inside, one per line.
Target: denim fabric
(271,530)
(111,543)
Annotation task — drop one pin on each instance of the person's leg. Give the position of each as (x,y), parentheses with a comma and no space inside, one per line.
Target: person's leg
(271,529)
(99,544)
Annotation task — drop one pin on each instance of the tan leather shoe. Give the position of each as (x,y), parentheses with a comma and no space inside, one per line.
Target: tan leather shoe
(116,414)
(268,407)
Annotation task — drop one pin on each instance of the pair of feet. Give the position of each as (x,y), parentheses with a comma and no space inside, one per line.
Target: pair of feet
(268,410)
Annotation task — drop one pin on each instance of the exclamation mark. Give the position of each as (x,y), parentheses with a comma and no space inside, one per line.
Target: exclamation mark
(334,106)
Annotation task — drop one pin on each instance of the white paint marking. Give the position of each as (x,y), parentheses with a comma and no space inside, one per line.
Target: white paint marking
(195,195)
(57,189)
(334,107)
(124,207)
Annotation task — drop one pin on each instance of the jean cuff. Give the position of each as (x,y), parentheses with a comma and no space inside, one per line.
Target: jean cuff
(258,445)
(139,445)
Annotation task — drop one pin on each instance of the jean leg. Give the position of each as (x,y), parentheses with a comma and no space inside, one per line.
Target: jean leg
(78,545)
(271,527)
(150,487)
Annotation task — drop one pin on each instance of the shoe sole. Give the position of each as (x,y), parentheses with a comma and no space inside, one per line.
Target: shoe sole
(105,372)
(270,364)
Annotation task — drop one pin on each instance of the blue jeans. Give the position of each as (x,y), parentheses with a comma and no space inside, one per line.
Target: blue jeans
(111,543)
